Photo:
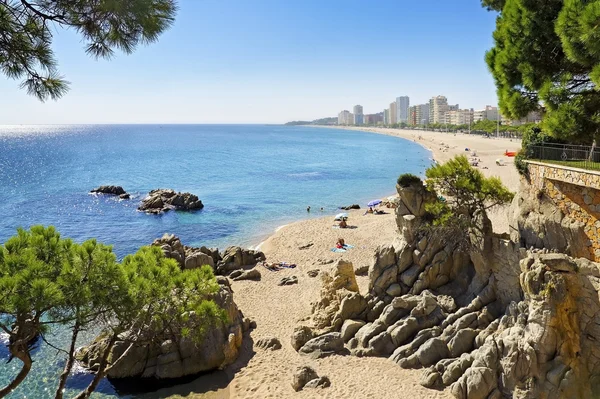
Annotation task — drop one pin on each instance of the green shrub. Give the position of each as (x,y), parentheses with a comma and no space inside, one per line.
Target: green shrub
(408,179)
(532,137)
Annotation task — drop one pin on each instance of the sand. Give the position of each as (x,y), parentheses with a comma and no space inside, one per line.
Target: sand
(277,309)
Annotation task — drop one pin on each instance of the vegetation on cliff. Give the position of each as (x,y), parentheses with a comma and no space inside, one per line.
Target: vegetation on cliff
(468,192)
(47,281)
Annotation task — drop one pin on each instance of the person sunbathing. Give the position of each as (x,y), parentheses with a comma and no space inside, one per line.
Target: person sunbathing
(340,244)
(343,224)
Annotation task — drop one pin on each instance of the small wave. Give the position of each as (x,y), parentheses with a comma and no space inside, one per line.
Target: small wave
(305,174)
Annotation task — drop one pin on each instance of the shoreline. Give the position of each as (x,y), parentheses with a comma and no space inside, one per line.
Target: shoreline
(277,310)
(438,155)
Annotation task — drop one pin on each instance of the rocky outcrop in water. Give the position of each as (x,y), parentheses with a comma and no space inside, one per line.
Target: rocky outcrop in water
(171,355)
(493,320)
(111,190)
(163,200)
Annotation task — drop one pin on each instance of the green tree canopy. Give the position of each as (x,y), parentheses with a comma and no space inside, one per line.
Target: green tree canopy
(548,51)
(467,191)
(46,280)
(26,29)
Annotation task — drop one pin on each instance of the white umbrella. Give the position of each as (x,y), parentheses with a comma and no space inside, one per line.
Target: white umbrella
(341,216)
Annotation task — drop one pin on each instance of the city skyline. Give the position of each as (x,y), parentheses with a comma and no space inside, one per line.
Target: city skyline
(281,61)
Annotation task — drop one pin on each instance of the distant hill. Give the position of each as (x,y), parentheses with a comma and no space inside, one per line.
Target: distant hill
(322,121)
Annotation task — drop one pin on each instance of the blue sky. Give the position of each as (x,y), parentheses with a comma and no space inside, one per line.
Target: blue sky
(271,61)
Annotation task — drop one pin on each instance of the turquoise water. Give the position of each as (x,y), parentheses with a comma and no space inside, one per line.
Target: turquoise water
(250,178)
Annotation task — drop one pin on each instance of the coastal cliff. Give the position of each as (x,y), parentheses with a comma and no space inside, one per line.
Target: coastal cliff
(491,319)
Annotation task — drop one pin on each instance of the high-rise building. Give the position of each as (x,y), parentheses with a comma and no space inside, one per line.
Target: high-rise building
(438,106)
(386,116)
(422,114)
(412,116)
(345,118)
(393,113)
(358,115)
(402,105)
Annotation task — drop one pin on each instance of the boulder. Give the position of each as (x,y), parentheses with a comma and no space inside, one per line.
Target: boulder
(110,190)
(350,328)
(252,274)
(234,258)
(288,280)
(187,257)
(271,343)
(172,354)
(313,273)
(349,207)
(343,276)
(163,200)
(300,336)
(324,345)
(320,382)
(302,376)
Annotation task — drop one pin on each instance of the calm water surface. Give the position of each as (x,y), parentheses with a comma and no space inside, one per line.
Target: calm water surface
(250,178)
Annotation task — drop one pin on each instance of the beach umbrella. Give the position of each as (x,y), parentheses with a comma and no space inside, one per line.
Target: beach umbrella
(374,202)
(341,216)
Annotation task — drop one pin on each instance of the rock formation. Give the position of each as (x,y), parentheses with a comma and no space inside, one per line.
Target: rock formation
(490,320)
(232,259)
(111,190)
(187,257)
(307,377)
(171,355)
(163,200)
(235,258)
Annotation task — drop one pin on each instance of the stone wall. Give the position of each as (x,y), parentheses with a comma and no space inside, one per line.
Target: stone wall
(577,194)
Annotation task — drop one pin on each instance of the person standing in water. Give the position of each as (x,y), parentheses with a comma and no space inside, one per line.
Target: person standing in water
(308,209)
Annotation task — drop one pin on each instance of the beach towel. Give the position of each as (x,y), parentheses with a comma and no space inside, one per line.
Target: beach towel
(346,247)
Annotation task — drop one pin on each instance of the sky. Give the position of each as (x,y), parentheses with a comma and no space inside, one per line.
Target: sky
(273,61)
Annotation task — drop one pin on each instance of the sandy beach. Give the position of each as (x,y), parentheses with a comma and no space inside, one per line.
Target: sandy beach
(277,309)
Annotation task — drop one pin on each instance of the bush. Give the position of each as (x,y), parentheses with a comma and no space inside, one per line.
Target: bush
(532,137)
(408,179)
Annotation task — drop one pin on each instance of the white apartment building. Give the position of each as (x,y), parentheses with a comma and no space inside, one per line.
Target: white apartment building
(402,105)
(345,118)
(393,113)
(438,106)
(459,117)
(488,114)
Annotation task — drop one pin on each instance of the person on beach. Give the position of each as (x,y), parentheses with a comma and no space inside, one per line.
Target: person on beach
(343,224)
(340,243)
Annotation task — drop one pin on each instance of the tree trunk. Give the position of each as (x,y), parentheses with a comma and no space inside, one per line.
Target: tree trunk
(85,394)
(591,156)
(69,365)
(20,351)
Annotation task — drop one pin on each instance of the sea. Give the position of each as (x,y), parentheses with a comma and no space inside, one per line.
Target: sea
(251,179)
